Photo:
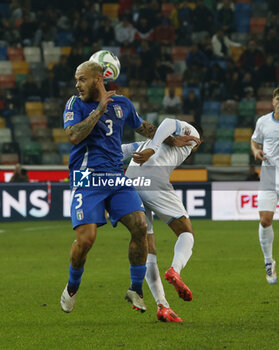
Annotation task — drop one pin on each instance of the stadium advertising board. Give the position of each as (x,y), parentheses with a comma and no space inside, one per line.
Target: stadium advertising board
(196,198)
(30,202)
(235,201)
(51,201)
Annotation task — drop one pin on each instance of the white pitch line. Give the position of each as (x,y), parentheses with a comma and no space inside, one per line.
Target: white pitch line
(40,228)
(2,231)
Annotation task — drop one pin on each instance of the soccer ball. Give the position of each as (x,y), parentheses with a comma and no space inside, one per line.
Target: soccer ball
(109,62)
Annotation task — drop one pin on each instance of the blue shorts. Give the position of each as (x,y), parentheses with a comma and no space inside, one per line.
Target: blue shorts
(88,205)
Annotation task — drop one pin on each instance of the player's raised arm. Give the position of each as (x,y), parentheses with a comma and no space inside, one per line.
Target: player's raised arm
(78,132)
(257,150)
(167,128)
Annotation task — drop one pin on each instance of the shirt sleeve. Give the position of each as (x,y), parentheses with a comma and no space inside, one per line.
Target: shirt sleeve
(72,113)
(166,128)
(257,134)
(133,120)
(129,148)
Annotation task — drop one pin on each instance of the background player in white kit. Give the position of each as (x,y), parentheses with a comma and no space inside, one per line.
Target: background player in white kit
(265,147)
(164,202)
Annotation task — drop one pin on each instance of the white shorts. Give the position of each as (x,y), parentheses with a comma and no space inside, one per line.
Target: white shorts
(165,204)
(267,200)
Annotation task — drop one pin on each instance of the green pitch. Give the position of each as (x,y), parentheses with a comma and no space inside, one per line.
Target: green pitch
(233,307)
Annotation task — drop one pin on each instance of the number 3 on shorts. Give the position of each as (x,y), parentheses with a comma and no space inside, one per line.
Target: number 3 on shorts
(78,196)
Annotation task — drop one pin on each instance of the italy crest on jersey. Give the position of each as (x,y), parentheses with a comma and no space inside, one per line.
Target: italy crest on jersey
(118,111)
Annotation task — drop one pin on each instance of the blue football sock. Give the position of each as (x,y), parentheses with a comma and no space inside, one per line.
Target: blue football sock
(137,276)
(74,279)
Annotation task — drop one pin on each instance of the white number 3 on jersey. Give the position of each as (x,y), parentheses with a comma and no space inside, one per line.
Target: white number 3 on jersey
(110,123)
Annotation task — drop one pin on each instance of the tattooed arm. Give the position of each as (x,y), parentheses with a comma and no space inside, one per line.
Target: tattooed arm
(148,130)
(78,132)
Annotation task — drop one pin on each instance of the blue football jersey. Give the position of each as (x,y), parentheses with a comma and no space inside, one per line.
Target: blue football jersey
(101,149)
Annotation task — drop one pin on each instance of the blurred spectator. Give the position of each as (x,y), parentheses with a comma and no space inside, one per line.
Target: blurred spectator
(29,87)
(49,87)
(252,58)
(143,30)
(233,86)
(20,174)
(272,22)
(205,46)
(266,75)
(164,33)
(76,57)
(94,48)
(249,94)
(151,12)
(183,15)
(62,71)
(106,32)
(133,70)
(93,16)
(214,82)
(63,23)
(171,102)
(192,105)
(163,64)
(225,16)
(248,80)
(147,57)
(271,42)
(221,44)
(83,33)
(45,32)
(203,19)
(193,76)
(124,32)
(8,33)
(27,30)
(124,7)
(197,57)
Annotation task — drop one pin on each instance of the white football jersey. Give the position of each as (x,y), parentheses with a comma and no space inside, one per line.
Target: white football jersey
(166,158)
(267,134)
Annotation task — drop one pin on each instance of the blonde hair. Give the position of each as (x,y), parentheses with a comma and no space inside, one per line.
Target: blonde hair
(93,66)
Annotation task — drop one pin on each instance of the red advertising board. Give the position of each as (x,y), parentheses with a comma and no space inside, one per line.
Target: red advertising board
(38,175)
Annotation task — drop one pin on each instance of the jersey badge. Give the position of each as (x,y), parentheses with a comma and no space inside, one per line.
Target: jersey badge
(80,215)
(69,116)
(187,131)
(118,111)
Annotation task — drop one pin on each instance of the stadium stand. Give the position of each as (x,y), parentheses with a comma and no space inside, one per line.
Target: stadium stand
(34,121)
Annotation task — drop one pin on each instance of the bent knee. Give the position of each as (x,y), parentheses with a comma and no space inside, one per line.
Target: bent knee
(141,226)
(86,243)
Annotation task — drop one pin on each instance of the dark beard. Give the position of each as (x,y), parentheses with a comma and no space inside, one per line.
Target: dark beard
(92,95)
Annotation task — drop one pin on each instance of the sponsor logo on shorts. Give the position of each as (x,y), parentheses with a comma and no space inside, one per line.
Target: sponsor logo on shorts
(80,215)
(69,116)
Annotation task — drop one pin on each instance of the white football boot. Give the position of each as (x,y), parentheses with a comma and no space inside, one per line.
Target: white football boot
(270,270)
(136,299)
(67,302)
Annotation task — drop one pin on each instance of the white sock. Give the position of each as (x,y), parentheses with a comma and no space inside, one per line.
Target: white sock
(182,251)
(153,280)
(266,236)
